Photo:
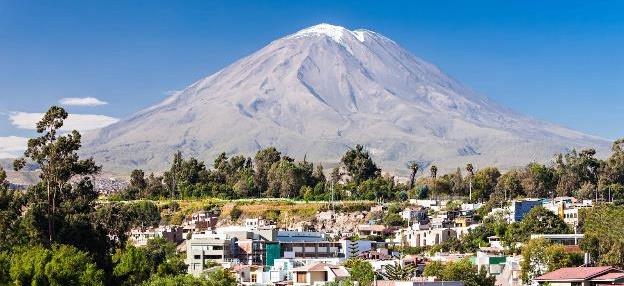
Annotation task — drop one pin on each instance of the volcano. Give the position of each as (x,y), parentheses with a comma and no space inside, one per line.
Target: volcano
(322,90)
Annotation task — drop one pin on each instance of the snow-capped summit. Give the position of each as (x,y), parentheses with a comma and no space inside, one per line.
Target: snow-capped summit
(334,32)
(321,90)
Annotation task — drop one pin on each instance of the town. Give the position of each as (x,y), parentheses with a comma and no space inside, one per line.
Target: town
(258,252)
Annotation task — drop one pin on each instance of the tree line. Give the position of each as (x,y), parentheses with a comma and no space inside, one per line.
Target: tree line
(271,174)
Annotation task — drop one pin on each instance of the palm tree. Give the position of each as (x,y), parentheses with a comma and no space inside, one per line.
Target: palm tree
(434,171)
(399,272)
(470,170)
(434,174)
(413,166)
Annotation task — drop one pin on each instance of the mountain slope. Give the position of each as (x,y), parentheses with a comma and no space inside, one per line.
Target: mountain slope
(321,90)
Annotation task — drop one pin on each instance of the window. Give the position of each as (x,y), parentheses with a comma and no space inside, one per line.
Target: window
(254,278)
(196,256)
(301,277)
(217,247)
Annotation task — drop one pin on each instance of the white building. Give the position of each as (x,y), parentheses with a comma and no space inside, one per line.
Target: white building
(318,274)
(140,236)
(428,237)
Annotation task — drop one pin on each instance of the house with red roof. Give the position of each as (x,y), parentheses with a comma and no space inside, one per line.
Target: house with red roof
(583,276)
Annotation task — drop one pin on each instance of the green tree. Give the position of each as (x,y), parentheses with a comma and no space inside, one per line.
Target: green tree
(540,257)
(143,214)
(359,164)
(538,180)
(379,188)
(399,272)
(603,227)
(461,270)
(220,277)
(413,167)
(11,211)
(509,185)
(542,221)
(137,179)
(360,271)
(434,171)
(69,266)
(433,269)
(470,170)
(132,266)
(575,168)
(59,265)
(263,161)
(485,181)
(58,161)
(5,266)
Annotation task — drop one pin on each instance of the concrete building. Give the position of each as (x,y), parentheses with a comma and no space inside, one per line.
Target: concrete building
(200,251)
(374,229)
(562,238)
(318,274)
(315,249)
(429,237)
(415,214)
(198,222)
(140,236)
(494,264)
(282,268)
(511,274)
(248,275)
(517,209)
(299,236)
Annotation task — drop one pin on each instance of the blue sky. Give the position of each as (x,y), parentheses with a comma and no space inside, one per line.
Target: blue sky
(561,61)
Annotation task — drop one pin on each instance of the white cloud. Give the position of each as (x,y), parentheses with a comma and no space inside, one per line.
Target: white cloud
(80,122)
(82,101)
(12,146)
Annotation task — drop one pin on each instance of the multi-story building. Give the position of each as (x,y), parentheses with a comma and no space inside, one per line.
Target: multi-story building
(428,237)
(198,222)
(415,214)
(206,249)
(561,238)
(299,236)
(315,249)
(517,209)
(140,236)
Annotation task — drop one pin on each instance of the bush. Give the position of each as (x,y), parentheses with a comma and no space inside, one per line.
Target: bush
(235,213)
(60,265)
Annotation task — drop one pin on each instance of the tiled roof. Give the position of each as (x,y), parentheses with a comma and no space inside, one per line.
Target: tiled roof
(612,276)
(574,273)
(319,266)
(340,271)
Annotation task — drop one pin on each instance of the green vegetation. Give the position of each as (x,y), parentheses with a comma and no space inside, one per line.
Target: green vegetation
(462,270)
(541,256)
(55,232)
(360,271)
(399,272)
(604,234)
